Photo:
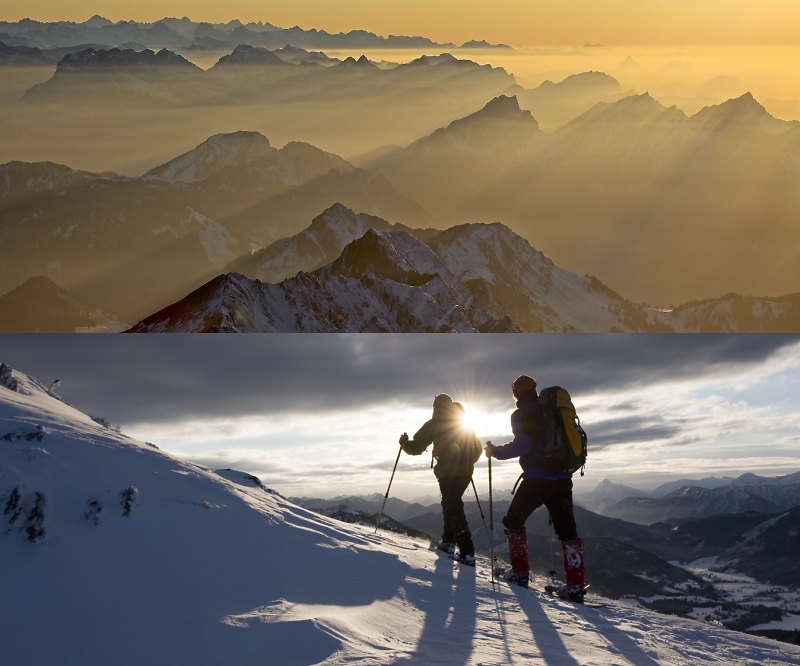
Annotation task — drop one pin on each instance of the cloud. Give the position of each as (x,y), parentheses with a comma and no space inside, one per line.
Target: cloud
(168,378)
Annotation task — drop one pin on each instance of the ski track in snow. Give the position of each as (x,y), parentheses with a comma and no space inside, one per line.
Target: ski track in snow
(213,568)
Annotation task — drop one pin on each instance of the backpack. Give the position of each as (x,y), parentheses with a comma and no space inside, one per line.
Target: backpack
(455,450)
(564,442)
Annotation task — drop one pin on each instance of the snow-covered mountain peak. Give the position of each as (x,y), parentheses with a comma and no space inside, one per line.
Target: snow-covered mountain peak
(344,224)
(484,251)
(215,153)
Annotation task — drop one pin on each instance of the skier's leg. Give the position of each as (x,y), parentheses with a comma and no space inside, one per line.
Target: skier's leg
(526,500)
(448,540)
(561,511)
(466,549)
(453,508)
(558,500)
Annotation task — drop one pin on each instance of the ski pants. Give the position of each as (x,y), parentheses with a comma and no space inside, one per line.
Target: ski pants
(456,529)
(556,495)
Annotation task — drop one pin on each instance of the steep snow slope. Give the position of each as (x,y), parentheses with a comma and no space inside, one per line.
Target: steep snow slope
(511,278)
(211,567)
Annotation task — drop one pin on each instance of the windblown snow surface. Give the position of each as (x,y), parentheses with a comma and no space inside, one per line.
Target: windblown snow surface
(211,567)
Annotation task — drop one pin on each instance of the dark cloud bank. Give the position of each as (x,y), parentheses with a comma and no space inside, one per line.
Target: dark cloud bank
(157,378)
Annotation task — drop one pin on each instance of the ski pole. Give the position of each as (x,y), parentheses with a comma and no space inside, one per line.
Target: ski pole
(386,496)
(550,529)
(480,510)
(491,518)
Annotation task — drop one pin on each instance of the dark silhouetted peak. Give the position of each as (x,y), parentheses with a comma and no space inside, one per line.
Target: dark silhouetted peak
(23,55)
(444,58)
(740,113)
(292,50)
(39,284)
(501,108)
(396,256)
(39,305)
(98,21)
(362,63)
(482,44)
(244,54)
(122,58)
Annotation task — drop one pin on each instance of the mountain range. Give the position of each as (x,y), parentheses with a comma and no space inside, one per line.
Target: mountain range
(485,266)
(629,560)
(630,173)
(132,245)
(492,274)
(141,556)
(256,75)
(688,499)
(171,32)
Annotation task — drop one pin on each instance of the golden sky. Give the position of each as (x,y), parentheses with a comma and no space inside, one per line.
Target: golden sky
(516,22)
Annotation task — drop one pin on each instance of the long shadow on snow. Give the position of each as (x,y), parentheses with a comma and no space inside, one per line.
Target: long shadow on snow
(451,618)
(547,638)
(626,646)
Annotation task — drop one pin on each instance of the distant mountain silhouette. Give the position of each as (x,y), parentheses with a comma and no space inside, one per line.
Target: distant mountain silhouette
(633,173)
(127,77)
(41,306)
(554,104)
(133,245)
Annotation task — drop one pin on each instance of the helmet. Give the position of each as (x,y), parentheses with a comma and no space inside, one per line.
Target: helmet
(523,384)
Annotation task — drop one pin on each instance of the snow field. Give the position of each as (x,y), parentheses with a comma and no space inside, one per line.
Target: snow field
(211,567)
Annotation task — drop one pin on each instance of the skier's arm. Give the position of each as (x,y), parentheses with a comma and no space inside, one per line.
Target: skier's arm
(422,440)
(521,443)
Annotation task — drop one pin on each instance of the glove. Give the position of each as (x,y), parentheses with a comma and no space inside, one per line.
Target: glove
(489,449)
(404,439)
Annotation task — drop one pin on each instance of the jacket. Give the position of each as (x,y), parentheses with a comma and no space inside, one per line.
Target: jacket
(526,425)
(455,448)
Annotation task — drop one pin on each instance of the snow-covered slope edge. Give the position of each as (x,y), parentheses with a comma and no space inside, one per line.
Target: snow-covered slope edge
(212,568)
(382,282)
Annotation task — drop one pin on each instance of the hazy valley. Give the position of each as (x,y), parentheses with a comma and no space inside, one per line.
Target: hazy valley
(686,220)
